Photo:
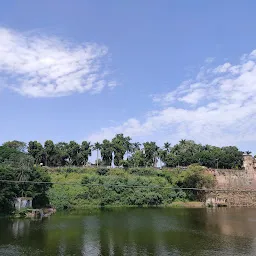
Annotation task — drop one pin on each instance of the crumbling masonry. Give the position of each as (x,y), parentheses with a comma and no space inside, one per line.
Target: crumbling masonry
(238,186)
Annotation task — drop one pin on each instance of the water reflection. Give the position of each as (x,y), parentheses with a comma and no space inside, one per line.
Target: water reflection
(154,231)
(19,227)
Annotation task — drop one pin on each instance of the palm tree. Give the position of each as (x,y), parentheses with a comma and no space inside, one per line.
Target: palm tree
(97,146)
(182,142)
(156,156)
(128,146)
(206,147)
(167,146)
(161,156)
(136,146)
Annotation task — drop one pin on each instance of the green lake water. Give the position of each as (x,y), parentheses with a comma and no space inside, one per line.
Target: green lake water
(133,232)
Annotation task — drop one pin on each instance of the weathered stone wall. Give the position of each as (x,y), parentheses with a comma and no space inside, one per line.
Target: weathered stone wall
(242,179)
(237,183)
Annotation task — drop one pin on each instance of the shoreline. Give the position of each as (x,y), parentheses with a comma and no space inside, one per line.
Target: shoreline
(178,204)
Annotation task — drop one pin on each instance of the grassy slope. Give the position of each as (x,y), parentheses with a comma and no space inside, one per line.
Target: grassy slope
(72,196)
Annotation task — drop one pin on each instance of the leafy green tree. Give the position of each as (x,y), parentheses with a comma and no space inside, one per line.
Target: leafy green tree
(167,147)
(230,158)
(207,158)
(184,153)
(162,156)
(86,151)
(15,159)
(8,155)
(182,142)
(164,152)
(106,152)
(75,157)
(171,160)
(150,149)
(61,154)
(50,153)
(121,145)
(15,144)
(38,191)
(129,147)
(18,166)
(195,177)
(36,150)
(138,159)
(125,163)
(136,146)
(97,147)
(8,191)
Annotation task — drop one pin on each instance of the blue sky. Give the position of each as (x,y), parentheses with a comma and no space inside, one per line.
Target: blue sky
(154,70)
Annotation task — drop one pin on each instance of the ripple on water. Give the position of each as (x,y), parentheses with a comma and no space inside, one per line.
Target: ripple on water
(15,250)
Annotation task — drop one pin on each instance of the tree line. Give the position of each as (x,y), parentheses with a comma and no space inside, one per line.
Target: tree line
(123,152)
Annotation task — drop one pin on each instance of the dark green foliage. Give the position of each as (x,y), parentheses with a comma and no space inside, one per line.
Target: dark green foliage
(102,171)
(120,145)
(144,198)
(127,154)
(9,191)
(14,158)
(124,190)
(7,154)
(61,157)
(150,151)
(75,157)
(188,152)
(144,171)
(135,186)
(50,153)
(18,166)
(106,152)
(194,177)
(86,151)
(97,147)
(17,145)
(132,185)
(36,150)
(137,159)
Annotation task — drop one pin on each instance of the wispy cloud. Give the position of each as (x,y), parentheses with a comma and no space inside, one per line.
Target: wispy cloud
(209,60)
(41,66)
(217,107)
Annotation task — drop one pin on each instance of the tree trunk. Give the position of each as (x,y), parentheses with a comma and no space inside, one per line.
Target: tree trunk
(97,157)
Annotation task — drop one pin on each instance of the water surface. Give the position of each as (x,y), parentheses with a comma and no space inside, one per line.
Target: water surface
(133,232)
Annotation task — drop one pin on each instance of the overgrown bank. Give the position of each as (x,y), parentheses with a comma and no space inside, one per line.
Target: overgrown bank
(97,187)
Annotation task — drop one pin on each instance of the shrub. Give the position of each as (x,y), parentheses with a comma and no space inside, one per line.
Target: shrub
(137,186)
(143,171)
(102,171)
(153,198)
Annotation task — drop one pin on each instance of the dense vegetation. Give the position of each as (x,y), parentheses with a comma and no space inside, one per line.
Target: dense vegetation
(16,165)
(136,183)
(122,152)
(131,187)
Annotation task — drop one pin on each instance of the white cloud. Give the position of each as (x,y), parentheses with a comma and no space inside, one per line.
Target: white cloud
(40,66)
(222,68)
(219,107)
(194,97)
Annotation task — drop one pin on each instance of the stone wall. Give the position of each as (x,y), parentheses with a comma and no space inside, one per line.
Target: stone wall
(237,185)
(242,179)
